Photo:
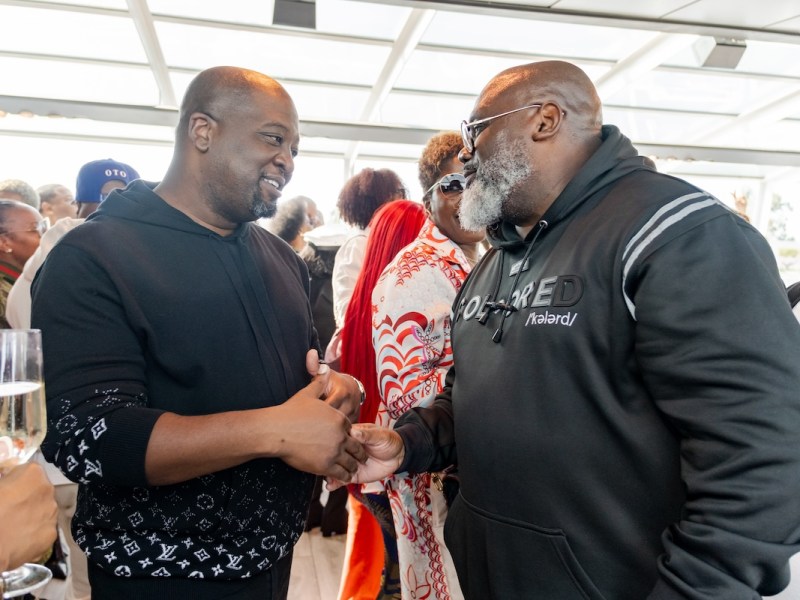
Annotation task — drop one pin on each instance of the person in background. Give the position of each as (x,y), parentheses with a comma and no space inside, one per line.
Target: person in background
(97,179)
(56,202)
(16,189)
(371,536)
(641,364)
(319,254)
(411,336)
(291,221)
(182,372)
(93,181)
(21,229)
(328,510)
(27,516)
(360,197)
(315,216)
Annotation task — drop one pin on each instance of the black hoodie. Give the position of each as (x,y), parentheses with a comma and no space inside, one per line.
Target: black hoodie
(144,311)
(631,428)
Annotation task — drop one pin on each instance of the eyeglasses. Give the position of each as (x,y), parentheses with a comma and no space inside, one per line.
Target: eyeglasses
(39,228)
(470,131)
(450,184)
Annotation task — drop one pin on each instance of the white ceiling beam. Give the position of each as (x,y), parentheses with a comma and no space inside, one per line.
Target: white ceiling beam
(197,22)
(354,131)
(148,115)
(782,175)
(600,18)
(578,17)
(522,57)
(771,111)
(647,57)
(412,32)
(140,13)
(83,137)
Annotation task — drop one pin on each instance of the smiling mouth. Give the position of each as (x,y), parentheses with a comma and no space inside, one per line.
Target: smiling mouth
(273,182)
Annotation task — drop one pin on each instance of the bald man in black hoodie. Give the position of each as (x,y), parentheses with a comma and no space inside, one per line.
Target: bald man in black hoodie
(623,407)
(184,390)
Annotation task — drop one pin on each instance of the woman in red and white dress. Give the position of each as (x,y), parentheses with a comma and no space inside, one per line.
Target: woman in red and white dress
(411,335)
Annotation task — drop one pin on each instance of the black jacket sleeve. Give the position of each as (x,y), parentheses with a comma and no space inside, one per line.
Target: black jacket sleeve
(428,433)
(98,421)
(720,355)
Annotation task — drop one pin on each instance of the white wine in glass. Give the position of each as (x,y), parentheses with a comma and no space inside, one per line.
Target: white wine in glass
(23,424)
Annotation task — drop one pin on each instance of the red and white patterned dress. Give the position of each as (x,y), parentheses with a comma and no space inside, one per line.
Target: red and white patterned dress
(411,306)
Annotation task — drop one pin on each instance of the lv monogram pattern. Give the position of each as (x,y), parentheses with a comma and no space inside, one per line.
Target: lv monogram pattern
(228,525)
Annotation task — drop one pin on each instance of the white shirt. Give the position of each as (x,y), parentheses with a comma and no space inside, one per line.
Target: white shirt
(346,268)
(18,308)
(18,305)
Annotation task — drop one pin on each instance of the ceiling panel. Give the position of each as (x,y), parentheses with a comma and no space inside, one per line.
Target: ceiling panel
(68,128)
(345,17)
(350,64)
(114,4)
(418,110)
(781,136)
(234,11)
(77,81)
(699,90)
(769,58)
(651,8)
(759,59)
(534,38)
(742,13)
(278,55)
(46,31)
(466,73)
(658,127)
(315,102)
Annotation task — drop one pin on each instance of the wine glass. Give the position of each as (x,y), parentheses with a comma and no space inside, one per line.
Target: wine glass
(22,428)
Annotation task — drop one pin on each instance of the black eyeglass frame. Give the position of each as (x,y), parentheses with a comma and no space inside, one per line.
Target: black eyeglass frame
(452,177)
(468,133)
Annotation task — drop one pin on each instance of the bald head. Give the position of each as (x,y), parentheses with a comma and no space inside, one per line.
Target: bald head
(552,80)
(236,140)
(218,91)
(535,126)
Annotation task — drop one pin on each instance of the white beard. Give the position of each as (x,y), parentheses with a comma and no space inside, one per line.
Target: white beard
(482,202)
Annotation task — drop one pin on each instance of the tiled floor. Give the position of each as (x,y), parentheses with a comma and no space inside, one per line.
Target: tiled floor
(317,567)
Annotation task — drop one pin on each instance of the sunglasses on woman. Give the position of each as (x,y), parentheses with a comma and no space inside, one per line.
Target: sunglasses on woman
(450,184)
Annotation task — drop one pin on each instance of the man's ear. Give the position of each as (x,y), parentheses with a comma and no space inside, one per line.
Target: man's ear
(201,128)
(426,203)
(548,120)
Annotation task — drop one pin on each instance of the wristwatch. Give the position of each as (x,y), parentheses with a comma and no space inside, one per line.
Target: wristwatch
(360,389)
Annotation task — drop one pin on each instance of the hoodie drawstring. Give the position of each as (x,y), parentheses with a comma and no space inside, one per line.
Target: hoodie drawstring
(509,308)
(487,303)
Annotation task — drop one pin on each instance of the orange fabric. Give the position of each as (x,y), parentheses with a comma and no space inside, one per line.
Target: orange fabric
(363,555)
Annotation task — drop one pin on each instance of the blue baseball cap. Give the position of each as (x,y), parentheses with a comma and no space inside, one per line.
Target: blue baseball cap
(94,175)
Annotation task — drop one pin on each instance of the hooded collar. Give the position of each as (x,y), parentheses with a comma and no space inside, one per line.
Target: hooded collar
(138,202)
(615,158)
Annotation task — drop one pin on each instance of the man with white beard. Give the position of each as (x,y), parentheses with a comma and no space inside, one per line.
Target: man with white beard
(623,406)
